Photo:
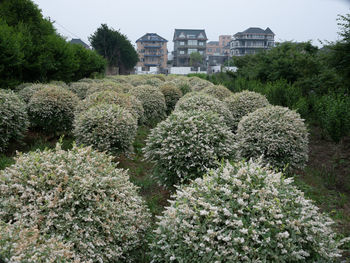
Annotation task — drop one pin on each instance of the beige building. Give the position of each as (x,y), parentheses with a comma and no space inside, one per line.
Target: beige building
(219,48)
(153,52)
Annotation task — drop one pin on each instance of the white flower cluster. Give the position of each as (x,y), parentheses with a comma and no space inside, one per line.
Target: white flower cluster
(13,118)
(198,84)
(153,102)
(243,213)
(52,109)
(18,243)
(107,127)
(27,92)
(186,144)
(127,101)
(243,103)
(172,94)
(276,133)
(204,102)
(218,91)
(78,196)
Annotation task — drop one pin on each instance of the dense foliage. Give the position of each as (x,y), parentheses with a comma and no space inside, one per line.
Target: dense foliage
(31,50)
(78,196)
(242,103)
(186,144)
(13,118)
(107,127)
(171,94)
(204,102)
(243,213)
(51,109)
(153,102)
(218,91)
(115,47)
(276,134)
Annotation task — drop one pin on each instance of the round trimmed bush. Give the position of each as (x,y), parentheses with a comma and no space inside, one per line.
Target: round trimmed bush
(107,127)
(198,84)
(28,91)
(153,102)
(277,133)
(79,196)
(204,102)
(18,243)
(155,82)
(127,101)
(51,109)
(243,213)
(243,103)
(80,88)
(103,86)
(218,91)
(172,94)
(13,118)
(187,143)
(182,83)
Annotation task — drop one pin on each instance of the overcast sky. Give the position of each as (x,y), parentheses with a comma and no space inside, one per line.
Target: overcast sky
(296,20)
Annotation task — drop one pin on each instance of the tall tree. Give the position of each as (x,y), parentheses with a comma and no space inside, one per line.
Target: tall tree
(196,59)
(115,47)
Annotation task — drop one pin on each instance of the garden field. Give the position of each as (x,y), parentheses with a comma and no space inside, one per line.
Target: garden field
(154,168)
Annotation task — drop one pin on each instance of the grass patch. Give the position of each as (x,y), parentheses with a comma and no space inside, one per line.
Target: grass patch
(141,172)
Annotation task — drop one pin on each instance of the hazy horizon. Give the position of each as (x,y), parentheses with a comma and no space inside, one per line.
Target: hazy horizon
(296,20)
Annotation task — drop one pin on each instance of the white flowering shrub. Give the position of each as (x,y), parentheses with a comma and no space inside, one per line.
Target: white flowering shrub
(79,196)
(204,102)
(107,127)
(155,82)
(276,133)
(19,243)
(186,143)
(13,118)
(127,101)
(172,94)
(103,86)
(218,91)
(243,213)
(80,88)
(243,103)
(181,83)
(51,109)
(198,84)
(27,92)
(153,102)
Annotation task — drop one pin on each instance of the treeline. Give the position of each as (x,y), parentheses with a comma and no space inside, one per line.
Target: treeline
(313,81)
(32,51)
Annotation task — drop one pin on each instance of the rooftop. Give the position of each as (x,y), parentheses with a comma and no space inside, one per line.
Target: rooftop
(256,30)
(151,37)
(190,34)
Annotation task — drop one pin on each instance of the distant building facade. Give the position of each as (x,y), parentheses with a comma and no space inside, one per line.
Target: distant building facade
(251,41)
(187,41)
(153,52)
(221,47)
(213,48)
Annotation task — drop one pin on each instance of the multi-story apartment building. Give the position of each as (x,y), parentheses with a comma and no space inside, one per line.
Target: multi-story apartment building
(187,41)
(153,52)
(213,48)
(219,48)
(224,43)
(252,41)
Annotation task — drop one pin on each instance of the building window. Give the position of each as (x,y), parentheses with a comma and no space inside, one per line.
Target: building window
(182,52)
(182,43)
(209,49)
(201,52)
(192,50)
(201,43)
(192,42)
(191,36)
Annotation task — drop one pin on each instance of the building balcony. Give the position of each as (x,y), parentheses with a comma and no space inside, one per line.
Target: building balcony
(245,47)
(191,46)
(152,65)
(152,55)
(152,46)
